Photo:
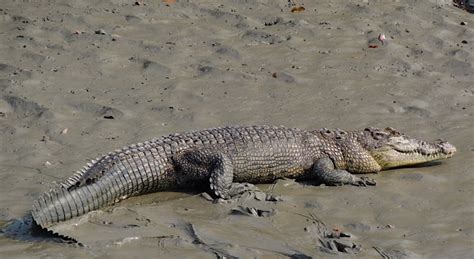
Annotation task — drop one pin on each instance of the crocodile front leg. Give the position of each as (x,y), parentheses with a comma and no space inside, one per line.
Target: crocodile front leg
(324,171)
(203,163)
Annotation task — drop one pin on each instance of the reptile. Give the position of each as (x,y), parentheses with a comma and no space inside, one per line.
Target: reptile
(224,158)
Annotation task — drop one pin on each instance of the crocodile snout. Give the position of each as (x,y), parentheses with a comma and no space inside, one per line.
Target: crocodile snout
(447,148)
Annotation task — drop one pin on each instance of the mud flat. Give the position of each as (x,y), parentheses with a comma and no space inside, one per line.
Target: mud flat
(81,78)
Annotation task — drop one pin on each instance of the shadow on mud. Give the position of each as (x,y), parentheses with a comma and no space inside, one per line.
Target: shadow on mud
(26,229)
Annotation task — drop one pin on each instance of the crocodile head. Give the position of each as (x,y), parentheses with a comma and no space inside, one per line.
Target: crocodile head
(391,148)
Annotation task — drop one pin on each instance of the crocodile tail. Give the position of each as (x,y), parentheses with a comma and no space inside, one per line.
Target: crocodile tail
(100,184)
(60,204)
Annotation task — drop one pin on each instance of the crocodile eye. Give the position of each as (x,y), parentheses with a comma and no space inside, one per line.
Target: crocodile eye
(393,131)
(325,131)
(379,135)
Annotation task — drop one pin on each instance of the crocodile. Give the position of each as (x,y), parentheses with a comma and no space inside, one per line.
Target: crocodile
(223,159)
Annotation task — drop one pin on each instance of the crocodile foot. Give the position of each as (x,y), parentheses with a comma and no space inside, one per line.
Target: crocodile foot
(243,191)
(364,181)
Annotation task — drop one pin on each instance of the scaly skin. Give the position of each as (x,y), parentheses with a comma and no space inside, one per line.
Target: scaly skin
(224,157)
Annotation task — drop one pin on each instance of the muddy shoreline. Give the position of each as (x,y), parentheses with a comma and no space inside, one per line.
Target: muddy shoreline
(80,78)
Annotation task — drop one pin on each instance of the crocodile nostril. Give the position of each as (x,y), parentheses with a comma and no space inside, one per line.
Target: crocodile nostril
(448,148)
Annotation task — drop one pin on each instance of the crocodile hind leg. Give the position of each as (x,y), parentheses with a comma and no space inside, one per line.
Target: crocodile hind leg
(202,163)
(325,171)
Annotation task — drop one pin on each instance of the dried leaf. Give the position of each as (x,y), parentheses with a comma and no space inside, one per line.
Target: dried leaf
(297,9)
(169,1)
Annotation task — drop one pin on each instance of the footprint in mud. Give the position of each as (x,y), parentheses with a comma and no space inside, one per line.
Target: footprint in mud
(205,70)
(259,37)
(433,42)
(155,68)
(34,58)
(119,217)
(252,211)
(149,47)
(193,234)
(7,69)
(313,205)
(397,107)
(400,67)
(98,110)
(390,253)
(458,68)
(15,72)
(228,52)
(357,8)
(232,19)
(421,112)
(5,83)
(150,66)
(271,20)
(459,53)
(284,77)
(24,108)
(132,19)
(332,241)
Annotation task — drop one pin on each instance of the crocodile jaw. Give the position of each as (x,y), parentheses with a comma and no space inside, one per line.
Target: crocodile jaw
(406,152)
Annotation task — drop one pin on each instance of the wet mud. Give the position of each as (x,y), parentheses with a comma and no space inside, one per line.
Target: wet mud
(82,78)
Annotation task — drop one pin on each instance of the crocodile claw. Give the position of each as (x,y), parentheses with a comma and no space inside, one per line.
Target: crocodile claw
(365,181)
